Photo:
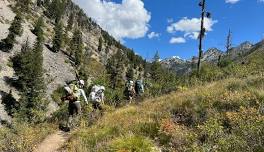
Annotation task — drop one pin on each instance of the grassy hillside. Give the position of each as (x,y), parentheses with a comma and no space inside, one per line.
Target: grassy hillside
(222,110)
(219,110)
(221,116)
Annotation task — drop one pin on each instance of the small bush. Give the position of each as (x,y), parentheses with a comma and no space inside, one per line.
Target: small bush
(236,85)
(224,63)
(57,94)
(132,144)
(148,129)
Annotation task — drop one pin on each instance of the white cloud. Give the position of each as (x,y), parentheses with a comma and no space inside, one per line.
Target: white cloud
(152,35)
(177,40)
(232,1)
(128,19)
(260,0)
(191,27)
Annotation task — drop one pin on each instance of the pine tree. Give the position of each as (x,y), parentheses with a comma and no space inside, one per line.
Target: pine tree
(115,68)
(46,3)
(30,72)
(23,6)
(58,37)
(16,25)
(100,46)
(155,69)
(39,3)
(130,74)
(38,26)
(156,57)
(11,105)
(8,42)
(14,29)
(56,9)
(70,21)
(76,47)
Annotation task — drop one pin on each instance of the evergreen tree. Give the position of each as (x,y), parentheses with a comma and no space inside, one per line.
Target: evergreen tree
(39,3)
(156,57)
(46,3)
(30,72)
(156,69)
(23,6)
(16,25)
(130,74)
(14,29)
(115,68)
(66,39)
(8,43)
(70,21)
(58,37)
(56,9)
(100,46)
(11,105)
(38,26)
(76,47)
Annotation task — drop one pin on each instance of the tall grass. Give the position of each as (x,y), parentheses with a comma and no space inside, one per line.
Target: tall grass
(218,116)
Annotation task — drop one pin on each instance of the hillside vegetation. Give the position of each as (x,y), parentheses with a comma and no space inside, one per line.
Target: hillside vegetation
(225,115)
(222,110)
(46,43)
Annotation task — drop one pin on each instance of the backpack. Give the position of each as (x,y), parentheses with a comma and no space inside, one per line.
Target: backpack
(75,90)
(96,93)
(139,86)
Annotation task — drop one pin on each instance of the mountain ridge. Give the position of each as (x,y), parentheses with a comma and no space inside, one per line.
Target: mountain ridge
(211,55)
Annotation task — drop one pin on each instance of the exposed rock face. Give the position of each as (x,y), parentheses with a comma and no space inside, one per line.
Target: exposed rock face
(177,64)
(6,17)
(57,72)
(212,55)
(240,50)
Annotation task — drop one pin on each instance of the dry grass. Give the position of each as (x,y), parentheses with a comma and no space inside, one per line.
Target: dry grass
(202,117)
(23,137)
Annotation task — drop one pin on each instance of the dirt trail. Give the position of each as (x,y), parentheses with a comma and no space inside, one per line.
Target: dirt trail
(53,142)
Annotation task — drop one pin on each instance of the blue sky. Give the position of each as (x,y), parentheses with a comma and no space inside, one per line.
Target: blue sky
(245,18)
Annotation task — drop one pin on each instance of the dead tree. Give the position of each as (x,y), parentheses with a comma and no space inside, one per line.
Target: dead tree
(202,33)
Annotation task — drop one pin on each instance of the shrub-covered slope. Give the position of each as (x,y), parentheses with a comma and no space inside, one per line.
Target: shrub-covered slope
(226,115)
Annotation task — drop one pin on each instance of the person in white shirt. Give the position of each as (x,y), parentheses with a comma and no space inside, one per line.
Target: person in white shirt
(74,94)
(97,97)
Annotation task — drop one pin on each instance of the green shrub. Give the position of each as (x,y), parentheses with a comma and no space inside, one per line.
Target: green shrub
(210,72)
(57,94)
(132,144)
(148,129)
(248,124)
(92,139)
(236,85)
(224,62)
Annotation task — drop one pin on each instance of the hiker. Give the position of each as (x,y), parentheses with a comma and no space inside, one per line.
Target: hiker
(130,91)
(97,97)
(74,93)
(139,87)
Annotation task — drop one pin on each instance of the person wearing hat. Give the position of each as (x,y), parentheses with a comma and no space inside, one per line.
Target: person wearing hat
(74,94)
(97,97)
(129,91)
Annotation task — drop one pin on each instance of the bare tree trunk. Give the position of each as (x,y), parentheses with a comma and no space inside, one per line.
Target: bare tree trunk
(201,38)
